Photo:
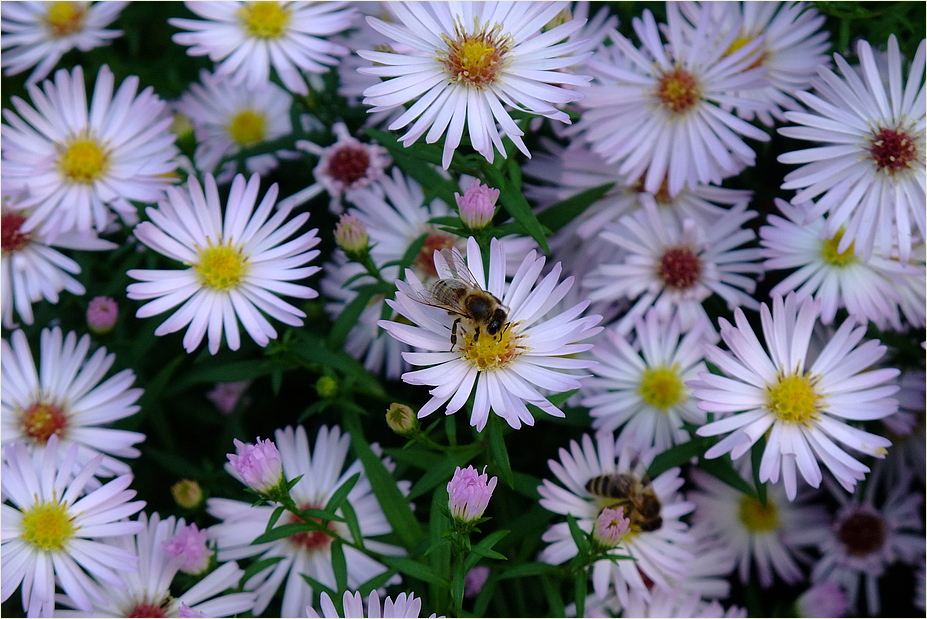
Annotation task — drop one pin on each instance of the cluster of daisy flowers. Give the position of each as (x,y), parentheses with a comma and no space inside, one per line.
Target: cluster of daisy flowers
(617,367)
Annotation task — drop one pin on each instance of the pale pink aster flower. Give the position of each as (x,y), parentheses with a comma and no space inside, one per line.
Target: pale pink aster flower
(63,395)
(680,604)
(258,466)
(78,165)
(250,38)
(673,94)
(866,171)
(505,369)
(50,522)
(226,396)
(38,34)
(236,263)
(469,493)
(477,205)
(824,599)
(102,313)
(802,402)
(467,59)
(188,547)
(405,605)
(611,526)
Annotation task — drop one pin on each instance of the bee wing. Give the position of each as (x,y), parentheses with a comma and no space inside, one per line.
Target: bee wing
(458,267)
(436,297)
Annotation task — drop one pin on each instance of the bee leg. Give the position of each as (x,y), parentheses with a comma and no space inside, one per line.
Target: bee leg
(476,335)
(454,334)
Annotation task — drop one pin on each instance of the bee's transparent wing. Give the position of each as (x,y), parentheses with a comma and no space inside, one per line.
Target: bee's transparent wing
(458,267)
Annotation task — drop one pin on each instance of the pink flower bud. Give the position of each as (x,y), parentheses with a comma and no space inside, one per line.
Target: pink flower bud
(351,235)
(825,599)
(611,526)
(259,466)
(469,493)
(102,313)
(225,396)
(189,549)
(477,205)
(474,580)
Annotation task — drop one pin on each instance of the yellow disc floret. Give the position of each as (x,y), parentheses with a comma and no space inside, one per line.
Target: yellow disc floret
(264,20)
(83,161)
(756,517)
(489,352)
(64,18)
(662,387)
(247,127)
(793,399)
(475,59)
(47,526)
(831,255)
(221,267)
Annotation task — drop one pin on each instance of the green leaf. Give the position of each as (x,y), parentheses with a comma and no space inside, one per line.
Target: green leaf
(579,536)
(457,588)
(413,568)
(339,565)
(320,588)
(674,456)
(411,159)
(339,495)
(512,198)
(377,582)
(500,454)
(350,517)
(531,569)
(257,567)
(349,316)
(274,517)
(226,372)
(286,530)
(554,598)
(560,214)
(723,469)
(441,471)
(581,590)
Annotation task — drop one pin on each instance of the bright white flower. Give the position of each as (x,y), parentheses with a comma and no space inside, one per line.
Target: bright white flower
(661,556)
(76,166)
(237,263)
(867,172)
(642,389)
(869,534)
(794,47)
(227,118)
(38,34)
(323,471)
(867,288)
(467,59)
(803,402)
(657,112)
(766,539)
(405,605)
(32,270)
(50,526)
(672,266)
(504,359)
(65,398)
(251,37)
(147,592)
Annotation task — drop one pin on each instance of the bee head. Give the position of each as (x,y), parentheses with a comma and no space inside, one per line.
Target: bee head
(497,321)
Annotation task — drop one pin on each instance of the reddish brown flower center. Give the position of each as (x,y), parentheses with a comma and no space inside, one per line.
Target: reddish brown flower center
(892,150)
(678,90)
(12,239)
(436,241)
(862,534)
(348,164)
(310,540)
(41,420)
(147,609)
(679,268)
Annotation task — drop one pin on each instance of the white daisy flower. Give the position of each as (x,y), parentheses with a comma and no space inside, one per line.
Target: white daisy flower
(38,34)
(767,539)
(867,172)
(237,263)
(802,402)
(872,530)
(31,269)
(865,287)
(794,48)
(227,118)
(323,471)
(250,38)
(147,592)
(51,524)
(76,166)
(660,546)
(405,605)
(673,95)
(65,398)
(673,266)
(468,59)
(642,389)
(499,345)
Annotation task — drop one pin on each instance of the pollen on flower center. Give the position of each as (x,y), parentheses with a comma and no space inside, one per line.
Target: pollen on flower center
(147,609)
(661,387)
(793,399)
(862,533)
(475,59)
(47,526)
(41,420)
(264,20)
(64,18)
(892,150)
(310,540)
(488,352)
(436,241)
(678,90)
(348,164)
(742,41)
(679,268)
(756,517)
(247,127)
(221,267)
(11,239)
(837,258)
(83,161)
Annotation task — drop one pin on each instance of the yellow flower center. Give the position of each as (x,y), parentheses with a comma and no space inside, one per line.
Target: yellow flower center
(41,420)
(678,90)
(48,526)
(489,352)
(793,399)
(742,41)
(662,387)
(834,257)
(756,517)
(221,267)
(64,18)
(475,59)
(247,127)
(83,161)
(264,20)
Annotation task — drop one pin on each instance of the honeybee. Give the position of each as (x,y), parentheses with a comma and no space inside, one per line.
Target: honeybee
(461,296)
(640,501)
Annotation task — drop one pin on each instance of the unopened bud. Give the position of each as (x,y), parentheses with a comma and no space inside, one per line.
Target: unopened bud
(477,205)
(469,493)
(326,386)
(351,235)
(401,419)
(188,549)
(102,313)
(259,466)
(610,527)
(187,493)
